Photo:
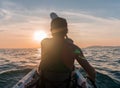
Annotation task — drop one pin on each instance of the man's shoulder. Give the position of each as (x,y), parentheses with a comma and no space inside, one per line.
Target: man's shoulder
(45,40)
(72,45)
(76,49)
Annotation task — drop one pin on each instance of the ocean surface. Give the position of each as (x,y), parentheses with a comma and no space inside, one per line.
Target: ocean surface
(16,63)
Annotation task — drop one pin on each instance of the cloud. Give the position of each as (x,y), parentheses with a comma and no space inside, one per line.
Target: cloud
(2,30)
(19,17)
(8,4)
(85,15)
(4,14)
(90,20)
(92,27)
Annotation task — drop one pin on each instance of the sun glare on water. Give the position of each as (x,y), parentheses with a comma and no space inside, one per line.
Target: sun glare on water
(39,35)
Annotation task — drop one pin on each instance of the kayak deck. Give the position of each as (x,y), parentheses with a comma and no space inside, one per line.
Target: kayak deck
(32,77)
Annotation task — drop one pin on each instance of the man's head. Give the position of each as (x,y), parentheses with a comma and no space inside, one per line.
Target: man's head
(59,26)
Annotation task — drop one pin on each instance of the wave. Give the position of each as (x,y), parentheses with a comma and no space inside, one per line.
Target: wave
(104,81)
(10,78)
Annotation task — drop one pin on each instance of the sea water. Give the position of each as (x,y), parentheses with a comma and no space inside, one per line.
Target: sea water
(16,63)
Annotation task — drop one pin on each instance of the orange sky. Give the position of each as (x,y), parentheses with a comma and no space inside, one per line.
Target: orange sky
(26,40)
(84,34)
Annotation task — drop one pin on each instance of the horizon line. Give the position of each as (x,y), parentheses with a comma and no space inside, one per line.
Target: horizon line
(80,47)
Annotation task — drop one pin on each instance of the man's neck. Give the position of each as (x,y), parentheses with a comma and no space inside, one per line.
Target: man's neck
(58,38)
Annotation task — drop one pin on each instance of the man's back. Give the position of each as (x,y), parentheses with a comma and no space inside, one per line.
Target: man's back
(55,50)
(53,65)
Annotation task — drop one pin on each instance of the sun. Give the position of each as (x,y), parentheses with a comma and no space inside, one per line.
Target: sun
(39,35)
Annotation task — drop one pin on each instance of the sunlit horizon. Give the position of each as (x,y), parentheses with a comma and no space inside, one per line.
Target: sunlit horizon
(39,35)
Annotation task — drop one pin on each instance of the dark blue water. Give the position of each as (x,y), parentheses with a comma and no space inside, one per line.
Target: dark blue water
(16,63)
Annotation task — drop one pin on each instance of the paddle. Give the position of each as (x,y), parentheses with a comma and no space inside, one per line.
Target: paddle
(93,83)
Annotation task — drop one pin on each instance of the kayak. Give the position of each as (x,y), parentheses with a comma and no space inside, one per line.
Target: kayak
(31,79)
(25,80)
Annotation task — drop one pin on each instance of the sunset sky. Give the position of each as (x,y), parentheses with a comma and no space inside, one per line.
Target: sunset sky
(91,22)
